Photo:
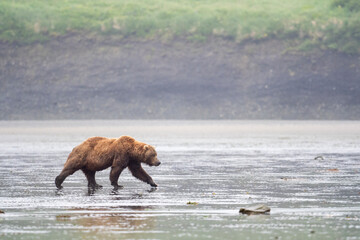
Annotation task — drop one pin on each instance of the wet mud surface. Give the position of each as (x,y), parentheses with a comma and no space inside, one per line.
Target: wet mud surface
(220,165)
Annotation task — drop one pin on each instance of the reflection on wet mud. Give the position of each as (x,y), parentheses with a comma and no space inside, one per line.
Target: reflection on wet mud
(115,222)
(103,219)
(134,196)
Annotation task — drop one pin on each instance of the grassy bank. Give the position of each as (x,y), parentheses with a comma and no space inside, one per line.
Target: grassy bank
(330,24)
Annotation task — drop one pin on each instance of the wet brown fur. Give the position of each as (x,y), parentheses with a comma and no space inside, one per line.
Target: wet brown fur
(98,153)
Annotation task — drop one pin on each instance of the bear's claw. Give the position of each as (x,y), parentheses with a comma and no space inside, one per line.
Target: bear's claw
(117,187)
(57,183)
(95,186)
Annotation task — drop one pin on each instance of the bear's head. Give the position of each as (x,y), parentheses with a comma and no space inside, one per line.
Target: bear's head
(150,156)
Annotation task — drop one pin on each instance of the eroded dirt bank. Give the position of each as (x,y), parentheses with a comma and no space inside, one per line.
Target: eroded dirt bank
(80,77)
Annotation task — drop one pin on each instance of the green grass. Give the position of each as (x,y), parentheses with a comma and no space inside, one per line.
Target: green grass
(330,24)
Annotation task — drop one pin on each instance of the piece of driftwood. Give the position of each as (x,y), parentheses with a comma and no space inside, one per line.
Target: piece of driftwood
(258,209)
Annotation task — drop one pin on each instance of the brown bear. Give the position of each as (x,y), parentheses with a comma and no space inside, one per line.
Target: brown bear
(98,153)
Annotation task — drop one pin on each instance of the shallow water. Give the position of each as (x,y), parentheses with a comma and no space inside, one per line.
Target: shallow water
(221,165)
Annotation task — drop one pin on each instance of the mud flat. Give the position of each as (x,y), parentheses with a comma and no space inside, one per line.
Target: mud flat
(220,165)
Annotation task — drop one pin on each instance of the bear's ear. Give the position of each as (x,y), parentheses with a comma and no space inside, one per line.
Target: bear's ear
(146,147)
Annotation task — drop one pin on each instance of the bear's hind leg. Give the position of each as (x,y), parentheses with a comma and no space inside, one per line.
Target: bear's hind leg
(90,176)
(114,176)
(64,174)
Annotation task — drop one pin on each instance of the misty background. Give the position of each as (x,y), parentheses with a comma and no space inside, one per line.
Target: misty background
(179,60)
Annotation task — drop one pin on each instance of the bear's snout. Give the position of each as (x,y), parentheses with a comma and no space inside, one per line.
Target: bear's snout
(157,164)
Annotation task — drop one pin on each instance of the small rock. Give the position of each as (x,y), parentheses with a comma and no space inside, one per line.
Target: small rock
(1,211)
(192,203)
(258,209)
(319,158)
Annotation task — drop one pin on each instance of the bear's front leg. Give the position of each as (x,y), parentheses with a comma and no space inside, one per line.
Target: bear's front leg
(114,176)
(138,172)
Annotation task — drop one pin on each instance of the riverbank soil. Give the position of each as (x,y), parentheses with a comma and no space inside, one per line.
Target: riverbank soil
(104,77)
